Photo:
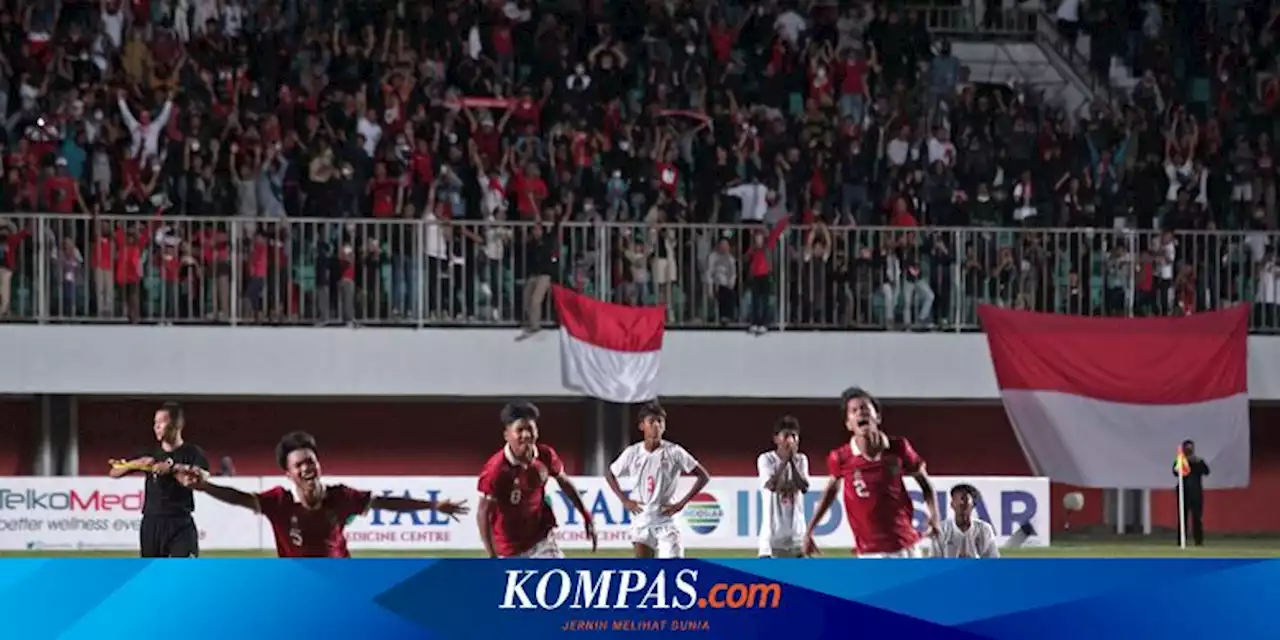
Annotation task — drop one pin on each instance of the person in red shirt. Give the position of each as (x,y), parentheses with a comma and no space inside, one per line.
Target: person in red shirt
(255,291)
(385,191)
(130,245)
(530,191)
(870,469)
(759,271)
(853,85)
(515,518)
(308,519)
(61,192)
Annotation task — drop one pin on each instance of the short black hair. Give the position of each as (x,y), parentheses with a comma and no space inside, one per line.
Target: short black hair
(174,409)
(964,488)
(291,442)
(853,393)
(786,423)
(651,409)
(1188,443)
(517,410)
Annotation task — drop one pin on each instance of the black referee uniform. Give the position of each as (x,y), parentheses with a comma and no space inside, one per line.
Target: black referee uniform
(168,530)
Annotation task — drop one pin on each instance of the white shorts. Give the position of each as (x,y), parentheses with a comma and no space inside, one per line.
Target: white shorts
(783,551)
(916,551)
(664,539)
(545,549)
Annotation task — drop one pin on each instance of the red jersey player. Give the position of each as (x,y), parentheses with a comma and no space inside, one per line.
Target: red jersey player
(870,468)
(515,517)
(308,521)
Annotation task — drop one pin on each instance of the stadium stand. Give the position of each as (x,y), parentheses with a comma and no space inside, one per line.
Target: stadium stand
(794,165)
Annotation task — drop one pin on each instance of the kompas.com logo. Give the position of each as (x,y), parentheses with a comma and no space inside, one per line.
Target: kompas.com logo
(614,589)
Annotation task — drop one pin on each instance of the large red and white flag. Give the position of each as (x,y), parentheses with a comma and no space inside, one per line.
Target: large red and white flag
(1100,402)
(609,351)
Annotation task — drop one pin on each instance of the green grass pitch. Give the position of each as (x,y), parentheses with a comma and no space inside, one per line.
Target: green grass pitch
(1133,547)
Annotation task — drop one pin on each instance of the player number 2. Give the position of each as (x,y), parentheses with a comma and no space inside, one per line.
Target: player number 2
(860,488)
(649,484)
(515,496)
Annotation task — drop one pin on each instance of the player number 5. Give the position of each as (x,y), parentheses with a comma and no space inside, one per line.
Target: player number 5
(515,496)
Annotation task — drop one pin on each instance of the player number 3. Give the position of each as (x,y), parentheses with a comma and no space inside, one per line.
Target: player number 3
(649,484)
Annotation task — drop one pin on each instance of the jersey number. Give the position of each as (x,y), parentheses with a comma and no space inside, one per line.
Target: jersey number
(860,486)
(515,496)
(649,484)
(295,534)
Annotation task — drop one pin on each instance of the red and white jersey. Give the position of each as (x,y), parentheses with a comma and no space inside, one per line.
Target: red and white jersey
(876,501)
(521,516)
(301,532)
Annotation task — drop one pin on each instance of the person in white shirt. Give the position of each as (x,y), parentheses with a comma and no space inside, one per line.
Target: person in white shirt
(784,479)
(963,535)
(656,465)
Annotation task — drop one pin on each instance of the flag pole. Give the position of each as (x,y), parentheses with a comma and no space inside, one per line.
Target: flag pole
(1182,512)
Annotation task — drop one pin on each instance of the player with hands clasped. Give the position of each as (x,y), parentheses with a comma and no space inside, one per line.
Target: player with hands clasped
(784,479)
(870,469)
(308,519)
(656,465)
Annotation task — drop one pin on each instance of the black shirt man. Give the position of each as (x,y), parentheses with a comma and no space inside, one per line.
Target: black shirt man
(168,529)
(1193,491)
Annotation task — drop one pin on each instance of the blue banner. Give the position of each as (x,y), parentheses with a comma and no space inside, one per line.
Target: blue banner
(481,599)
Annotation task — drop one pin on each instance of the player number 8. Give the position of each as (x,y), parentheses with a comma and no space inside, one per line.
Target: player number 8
(515,496)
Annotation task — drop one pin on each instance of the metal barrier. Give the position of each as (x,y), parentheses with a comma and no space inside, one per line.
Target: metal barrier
(976,19)
(63,268)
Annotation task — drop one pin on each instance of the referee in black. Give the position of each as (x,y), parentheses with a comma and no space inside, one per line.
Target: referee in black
(168,530)
(1193,491)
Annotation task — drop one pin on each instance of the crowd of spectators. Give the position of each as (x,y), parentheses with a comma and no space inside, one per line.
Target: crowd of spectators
(749,163)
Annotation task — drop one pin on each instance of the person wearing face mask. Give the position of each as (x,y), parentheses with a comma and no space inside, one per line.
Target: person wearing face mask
(578,87)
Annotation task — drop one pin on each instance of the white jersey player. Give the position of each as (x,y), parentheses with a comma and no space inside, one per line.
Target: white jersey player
(784,479)
(656,465)
(964,535)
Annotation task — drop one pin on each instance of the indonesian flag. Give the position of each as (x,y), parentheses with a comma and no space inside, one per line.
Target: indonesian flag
(1098,402)
(609,351)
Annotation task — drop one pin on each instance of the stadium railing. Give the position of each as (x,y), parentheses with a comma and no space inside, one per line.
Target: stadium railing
(65,268)
(977,21)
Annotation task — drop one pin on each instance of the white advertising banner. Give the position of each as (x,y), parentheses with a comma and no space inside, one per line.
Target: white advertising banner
(99,513)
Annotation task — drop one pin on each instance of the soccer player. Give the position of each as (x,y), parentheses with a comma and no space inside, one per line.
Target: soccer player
(870,469)
(784,478)
(515,517)
(308,520)
(657,465)
(168,530)
(963,535)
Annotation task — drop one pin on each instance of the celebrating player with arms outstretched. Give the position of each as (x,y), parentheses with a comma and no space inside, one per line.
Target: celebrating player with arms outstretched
(308,521)
(870,468)
(515,519)
(657,465)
